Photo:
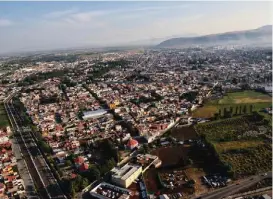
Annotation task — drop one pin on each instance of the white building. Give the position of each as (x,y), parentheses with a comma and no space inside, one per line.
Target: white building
(126,175)
(93,114)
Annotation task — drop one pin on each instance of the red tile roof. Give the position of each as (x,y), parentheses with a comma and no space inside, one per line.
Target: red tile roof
(84,167)
(79,160)
(132,143)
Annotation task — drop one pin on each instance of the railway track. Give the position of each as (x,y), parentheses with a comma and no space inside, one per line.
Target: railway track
(42,176)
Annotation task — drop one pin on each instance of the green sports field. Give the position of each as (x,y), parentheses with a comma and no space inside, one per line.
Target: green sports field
(258,100)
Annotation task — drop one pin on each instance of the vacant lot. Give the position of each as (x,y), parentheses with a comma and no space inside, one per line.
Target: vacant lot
(207,111)
(154,187)
(196,174)
(183,133)
(151,181)
(171,156)
(236,99)
(3,117)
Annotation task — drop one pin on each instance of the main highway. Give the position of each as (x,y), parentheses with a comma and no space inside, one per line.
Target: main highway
(235,188)
(39,170)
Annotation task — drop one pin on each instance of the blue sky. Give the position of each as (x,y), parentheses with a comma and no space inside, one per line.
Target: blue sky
(28,26)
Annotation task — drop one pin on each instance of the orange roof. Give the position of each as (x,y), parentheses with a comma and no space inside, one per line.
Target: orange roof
(79,160)
(132,143)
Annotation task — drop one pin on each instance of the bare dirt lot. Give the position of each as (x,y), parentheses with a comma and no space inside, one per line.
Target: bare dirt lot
(154,187)
(171,155)
(183,133)
(151,181)
(195,174)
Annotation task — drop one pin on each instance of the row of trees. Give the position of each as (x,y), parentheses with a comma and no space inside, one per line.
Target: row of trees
(233,111)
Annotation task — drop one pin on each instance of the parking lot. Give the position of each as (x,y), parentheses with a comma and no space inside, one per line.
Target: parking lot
(173,179)
(215,180)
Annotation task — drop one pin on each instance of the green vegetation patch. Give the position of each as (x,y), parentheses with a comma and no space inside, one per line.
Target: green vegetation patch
(223,147)
(3,117)
(249,161)
(242,144)
(244,97)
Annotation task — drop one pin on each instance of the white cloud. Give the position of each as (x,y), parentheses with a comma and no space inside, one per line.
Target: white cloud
(74,17)
(5,22)
(84,17)
(61,13)
(160,8)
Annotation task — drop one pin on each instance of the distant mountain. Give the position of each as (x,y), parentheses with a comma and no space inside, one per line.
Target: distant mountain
(155,41)
(259,36)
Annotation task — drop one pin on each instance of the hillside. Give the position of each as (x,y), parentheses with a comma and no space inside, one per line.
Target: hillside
(259,36)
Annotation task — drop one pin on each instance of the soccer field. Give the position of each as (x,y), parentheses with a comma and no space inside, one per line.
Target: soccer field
(258,100)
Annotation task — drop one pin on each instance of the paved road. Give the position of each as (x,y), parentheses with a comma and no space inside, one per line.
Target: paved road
(41,174)
(23,170)
(235,188)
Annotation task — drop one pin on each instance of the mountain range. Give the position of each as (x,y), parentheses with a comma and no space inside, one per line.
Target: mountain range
(259,36)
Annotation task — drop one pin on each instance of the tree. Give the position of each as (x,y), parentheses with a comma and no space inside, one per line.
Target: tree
(145,148)
(109,150)
(234,81)
(240,110)
(216,116)
(80,115)
(225,113)
(54,137)
(85,183)
(44,146)
(73,191)
(93,173)
(231,111)
(251,108)
(111,163)
(189,96)
(244,109)
(68,163)
(236,110)
(205,79)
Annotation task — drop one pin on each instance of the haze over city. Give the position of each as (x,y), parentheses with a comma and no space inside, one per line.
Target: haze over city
(28,26)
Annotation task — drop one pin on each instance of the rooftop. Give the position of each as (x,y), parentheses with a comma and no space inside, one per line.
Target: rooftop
(125,172)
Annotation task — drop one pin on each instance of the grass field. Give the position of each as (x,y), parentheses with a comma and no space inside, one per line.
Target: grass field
(258,100)
(3,117)
(235,145)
